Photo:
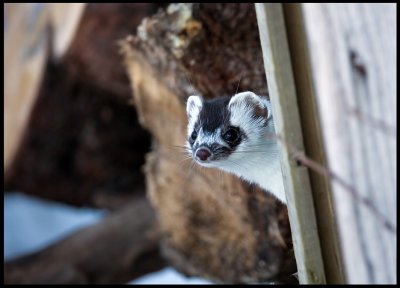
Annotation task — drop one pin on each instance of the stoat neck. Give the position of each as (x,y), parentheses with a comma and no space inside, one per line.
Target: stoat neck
(264,169)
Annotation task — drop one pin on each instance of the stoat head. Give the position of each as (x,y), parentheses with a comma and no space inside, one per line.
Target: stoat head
(221,131)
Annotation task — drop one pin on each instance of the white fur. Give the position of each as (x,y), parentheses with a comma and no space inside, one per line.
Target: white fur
(193,108)
(257,158)
(259,164)
(210,138)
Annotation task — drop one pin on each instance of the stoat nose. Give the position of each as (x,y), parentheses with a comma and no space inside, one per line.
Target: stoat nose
(203,154)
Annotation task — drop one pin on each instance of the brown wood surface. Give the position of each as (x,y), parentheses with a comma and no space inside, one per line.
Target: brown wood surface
(77,139)
(214,225)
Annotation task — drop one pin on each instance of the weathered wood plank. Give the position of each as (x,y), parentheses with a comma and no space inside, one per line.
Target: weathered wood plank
(284,104)
(353,53)
(312,134)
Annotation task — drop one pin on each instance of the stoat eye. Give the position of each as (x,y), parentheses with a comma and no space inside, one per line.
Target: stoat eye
(194,135)
(231,135)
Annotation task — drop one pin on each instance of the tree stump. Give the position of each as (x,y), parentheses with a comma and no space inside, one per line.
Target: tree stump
(214,225)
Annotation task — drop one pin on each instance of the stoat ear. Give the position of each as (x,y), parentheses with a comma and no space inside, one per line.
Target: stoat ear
(248,100)
(193,105)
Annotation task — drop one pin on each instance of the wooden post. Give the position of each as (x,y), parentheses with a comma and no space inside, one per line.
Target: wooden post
(282,90)
(353,55)
(312,134)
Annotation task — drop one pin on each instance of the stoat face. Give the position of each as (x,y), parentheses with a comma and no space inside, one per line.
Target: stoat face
(224,132)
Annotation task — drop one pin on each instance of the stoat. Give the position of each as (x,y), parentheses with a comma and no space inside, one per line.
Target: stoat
(236,134)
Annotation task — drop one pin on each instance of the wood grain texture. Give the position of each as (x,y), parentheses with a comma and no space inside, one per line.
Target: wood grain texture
(353,52)
(283,95)
(313,143)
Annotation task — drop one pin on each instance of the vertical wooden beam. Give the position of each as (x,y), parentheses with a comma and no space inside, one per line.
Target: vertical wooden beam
(309,118)
(282,90)
(353,49)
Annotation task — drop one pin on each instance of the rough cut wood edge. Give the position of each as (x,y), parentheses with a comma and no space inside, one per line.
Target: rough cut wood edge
(25,54)
(123,246)
(26,51)
(321,189)
(282,90)
(65,19)
(354,50)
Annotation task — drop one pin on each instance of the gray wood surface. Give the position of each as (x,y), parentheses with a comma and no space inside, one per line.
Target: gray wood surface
(314,148)
(353,53)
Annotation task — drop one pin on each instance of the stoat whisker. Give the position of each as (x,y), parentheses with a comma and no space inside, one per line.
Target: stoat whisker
(186,159)
(190,170)
(182,147)
(238,165)
(250,151)
(256,146)
(190,83)
(183,152)
(237,88)
(236,134)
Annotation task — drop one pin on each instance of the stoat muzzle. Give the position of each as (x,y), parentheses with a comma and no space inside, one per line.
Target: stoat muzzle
(236,134)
